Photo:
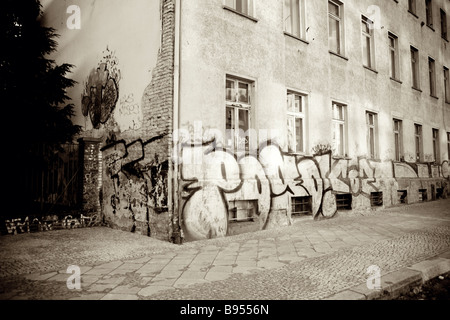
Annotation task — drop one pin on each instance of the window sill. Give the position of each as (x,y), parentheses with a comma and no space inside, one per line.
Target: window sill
(417,89)
(433,96)
(415,15)
(295,37)
(444,39)
(338,55)
(431,27)
(396,80)
(241,14)
(341,158)
(369,68)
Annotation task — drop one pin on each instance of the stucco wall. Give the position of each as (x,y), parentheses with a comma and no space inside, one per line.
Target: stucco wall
(216,42)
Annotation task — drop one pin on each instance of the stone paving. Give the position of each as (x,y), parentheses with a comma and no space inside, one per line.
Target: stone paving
(308,260)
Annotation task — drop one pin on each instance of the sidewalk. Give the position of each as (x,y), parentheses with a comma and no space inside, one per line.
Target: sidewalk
(310,260)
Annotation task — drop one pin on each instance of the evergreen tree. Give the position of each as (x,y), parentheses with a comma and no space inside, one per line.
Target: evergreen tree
(33,90)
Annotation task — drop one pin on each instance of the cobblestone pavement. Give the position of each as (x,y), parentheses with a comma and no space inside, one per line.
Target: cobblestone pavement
(308,260)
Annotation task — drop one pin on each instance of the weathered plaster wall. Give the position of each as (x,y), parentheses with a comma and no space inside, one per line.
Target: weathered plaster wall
(216,42)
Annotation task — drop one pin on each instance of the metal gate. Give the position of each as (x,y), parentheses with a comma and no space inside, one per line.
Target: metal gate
(53,179)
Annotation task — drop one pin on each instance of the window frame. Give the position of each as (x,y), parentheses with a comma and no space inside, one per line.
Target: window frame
(340,40)
(448,145)
(342,151)
(298,115)
(398,143)
(432,76)
(418,142)
(415,67)
(435,142)
(368,38)
(238,106)
(395,68)
(444,26)
(232,6)
(429,13)
(372,135)
(301,18)
(412,7)
(446,85)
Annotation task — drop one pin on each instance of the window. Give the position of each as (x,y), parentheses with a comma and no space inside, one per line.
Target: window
(296,122)
(294,18)
(335,27)
(242,6)
(432,72)
(446,85)
(376,199)
(339,130)
(238,106)
(429,12)
(242,210)
(393,56)
(418,142)
(372,134)
(344,201)
(301,206)
(448,144)
(367,42)
(415,67)
(412,6)
(398,139)
(443,25)
(436,151)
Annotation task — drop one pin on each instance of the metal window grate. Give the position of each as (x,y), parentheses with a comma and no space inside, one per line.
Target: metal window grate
(376,199)
(242,210)
(301,205)
(344,201)
(423,195)
(402,196)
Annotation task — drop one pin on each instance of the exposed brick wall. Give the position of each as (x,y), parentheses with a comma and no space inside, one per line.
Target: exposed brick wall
(137,172)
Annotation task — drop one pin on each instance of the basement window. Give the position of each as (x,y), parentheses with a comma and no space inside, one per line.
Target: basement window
(439,193)
(376,199)
(402,196)
(344,201)
(423,195)
(242,210)
(301,206)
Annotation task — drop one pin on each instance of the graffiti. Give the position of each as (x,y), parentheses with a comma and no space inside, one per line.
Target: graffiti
(101,91)
(138,181)
(48,223)
(130,113)
(213,178)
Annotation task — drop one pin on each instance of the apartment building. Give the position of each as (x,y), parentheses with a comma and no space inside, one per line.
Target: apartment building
(260,112)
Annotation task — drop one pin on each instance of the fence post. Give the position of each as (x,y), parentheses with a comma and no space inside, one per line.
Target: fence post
(90,176)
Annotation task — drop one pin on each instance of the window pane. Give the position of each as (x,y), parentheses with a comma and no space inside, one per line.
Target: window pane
(366,51)
(230,92)
(298,104)
(243,128)
(333,36)
(372,142)
(299,134)
(295,18)
(230,126)
(341,139)
(243,92)
(291,133)
(287,16)
(397,147)
(333,8)
(393,64)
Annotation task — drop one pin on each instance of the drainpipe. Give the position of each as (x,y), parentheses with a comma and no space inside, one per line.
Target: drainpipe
(176,227)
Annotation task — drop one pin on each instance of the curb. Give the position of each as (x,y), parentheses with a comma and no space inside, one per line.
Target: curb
(398,282)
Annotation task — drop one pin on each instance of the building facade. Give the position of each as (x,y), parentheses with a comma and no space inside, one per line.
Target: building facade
(218,117)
